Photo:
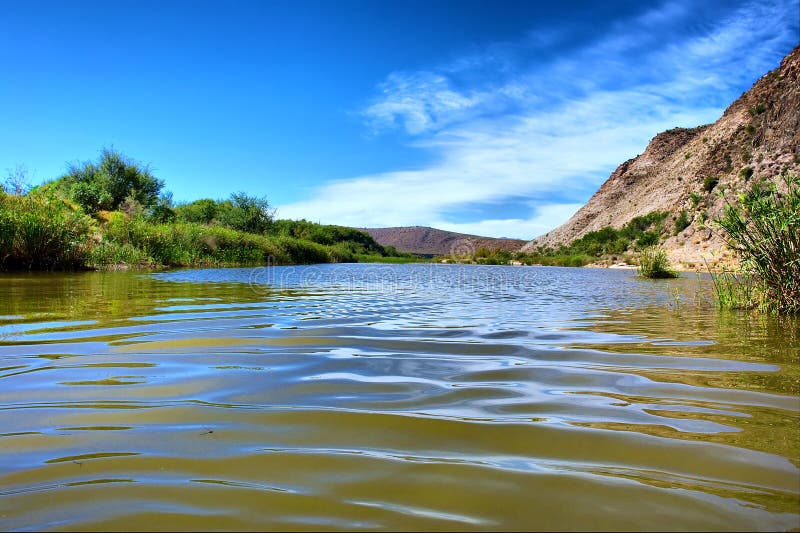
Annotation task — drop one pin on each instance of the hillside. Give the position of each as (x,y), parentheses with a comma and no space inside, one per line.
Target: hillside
(431,241)
(683,170)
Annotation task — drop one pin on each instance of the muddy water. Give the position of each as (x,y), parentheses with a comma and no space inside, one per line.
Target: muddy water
(392,397)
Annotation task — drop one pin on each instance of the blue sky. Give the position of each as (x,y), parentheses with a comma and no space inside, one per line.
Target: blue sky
(496,117)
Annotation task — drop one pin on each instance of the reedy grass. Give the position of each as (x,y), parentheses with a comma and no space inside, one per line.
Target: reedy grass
(43,232)
(653,264)
(763,227)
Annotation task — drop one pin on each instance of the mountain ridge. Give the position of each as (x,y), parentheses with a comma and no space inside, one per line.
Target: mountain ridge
(424,240)
(682,169)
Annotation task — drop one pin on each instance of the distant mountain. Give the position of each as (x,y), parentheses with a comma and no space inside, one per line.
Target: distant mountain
(682,170)
(432,241)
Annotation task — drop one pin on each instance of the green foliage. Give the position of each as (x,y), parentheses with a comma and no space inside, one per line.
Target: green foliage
(682,222)
(492,256)
(564,260)
(90,196)
(709,183)
(245,213)
(186,244)
(653,263)
(163,211)
(646,239)
(734,291)
(757,109)
(695,199)
(47,228)
(241,212)
(42,232)
(107,183)
(643,230)
(746,173)
(200,211)
(749,128)
(305,252)
(357,242)
(764,229)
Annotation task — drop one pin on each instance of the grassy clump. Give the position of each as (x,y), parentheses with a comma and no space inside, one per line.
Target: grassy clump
(681,222)
(653,263)
(709,183)
(763,227)
(42,232)
(736,291)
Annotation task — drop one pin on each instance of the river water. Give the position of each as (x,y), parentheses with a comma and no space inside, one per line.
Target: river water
(371,397)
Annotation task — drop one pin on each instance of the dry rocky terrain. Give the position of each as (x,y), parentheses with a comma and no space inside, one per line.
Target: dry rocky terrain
(685,170)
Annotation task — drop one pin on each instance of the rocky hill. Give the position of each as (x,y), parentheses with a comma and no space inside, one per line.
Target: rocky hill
(431,241)
(682,171)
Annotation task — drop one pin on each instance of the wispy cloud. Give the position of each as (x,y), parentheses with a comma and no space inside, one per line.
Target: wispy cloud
(521,120)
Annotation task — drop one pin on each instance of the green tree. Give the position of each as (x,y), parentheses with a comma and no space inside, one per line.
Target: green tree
(109,182)
(245,213)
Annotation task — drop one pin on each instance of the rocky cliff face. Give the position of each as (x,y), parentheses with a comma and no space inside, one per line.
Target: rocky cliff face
(684,170)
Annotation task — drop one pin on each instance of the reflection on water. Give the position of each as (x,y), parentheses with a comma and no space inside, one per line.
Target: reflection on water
(392,397)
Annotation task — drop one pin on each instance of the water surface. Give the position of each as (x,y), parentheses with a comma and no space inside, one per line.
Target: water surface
(392,397)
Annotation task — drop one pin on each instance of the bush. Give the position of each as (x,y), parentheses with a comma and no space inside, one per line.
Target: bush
(682,222)
(646,239)
(653,263)
(200,211)
(42,232)
(764,229)
(709,183)
(106,184)
(746,173)
(245,213)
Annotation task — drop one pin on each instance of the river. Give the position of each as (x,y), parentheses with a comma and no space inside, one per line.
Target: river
(423,397)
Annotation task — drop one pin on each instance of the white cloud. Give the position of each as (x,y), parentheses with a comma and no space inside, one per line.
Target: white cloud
(547,131)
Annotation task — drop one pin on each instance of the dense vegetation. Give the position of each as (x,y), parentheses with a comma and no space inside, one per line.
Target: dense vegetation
(115,212)
(608,242)
(763,227)
(653,264)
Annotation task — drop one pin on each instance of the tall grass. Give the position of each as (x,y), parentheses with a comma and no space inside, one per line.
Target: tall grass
(763,227)
(737,291)
(42,232)
(653,263)
(139,242)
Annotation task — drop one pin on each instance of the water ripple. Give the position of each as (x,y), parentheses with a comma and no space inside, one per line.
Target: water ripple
(392,397)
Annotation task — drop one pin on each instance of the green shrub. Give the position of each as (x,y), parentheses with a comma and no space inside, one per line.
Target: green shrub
(764,229)
(709,183)
(653,263)
(757,109)
(245,213)
(682,222)
(746,173)
(358,241)
(106,184)
(200,211)
(42,232)
(646,239)
(303,252)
